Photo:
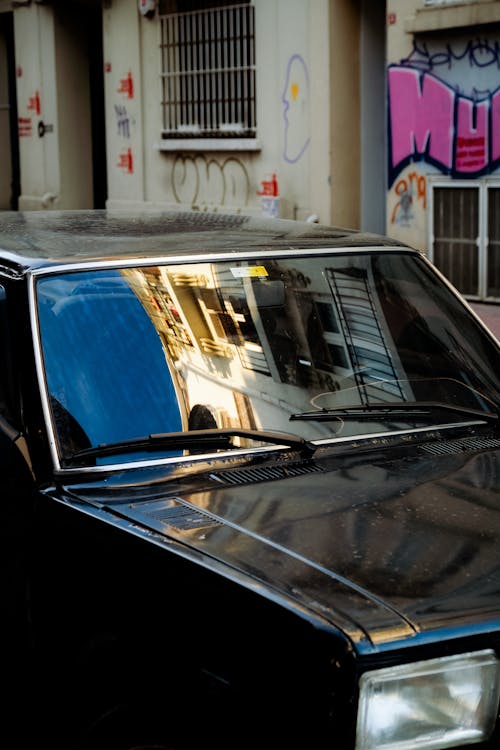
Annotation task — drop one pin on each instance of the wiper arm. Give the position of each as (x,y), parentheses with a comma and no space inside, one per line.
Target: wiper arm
(420,410)
(210,439)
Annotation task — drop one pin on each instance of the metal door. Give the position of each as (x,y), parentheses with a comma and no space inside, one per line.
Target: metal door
(464,236)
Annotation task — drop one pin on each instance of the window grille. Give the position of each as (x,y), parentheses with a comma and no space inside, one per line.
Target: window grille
(456,231)
(208,73)
(465,235)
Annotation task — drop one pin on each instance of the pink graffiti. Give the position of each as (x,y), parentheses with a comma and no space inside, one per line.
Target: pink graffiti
(472,143)
(429,120)
(495,132)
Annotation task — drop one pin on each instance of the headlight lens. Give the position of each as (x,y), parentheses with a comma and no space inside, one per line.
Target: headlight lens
(429,704)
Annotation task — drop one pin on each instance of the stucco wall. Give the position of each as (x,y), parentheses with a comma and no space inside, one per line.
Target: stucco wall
(53,110)
(345,112)
(6,172)
(292,118)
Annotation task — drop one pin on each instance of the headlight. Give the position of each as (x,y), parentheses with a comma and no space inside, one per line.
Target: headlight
(429,704)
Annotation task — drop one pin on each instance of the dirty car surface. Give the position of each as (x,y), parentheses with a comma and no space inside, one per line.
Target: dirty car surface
(250,485)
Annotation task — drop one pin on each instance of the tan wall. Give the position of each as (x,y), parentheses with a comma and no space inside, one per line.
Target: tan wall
(73,112)
(345,112)
(292,43)
(5,160)
(130,89)
(33,26)
(53,110)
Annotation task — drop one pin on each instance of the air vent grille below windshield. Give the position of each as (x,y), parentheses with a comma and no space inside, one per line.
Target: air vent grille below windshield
(265,473)
(182,517)
(461,446)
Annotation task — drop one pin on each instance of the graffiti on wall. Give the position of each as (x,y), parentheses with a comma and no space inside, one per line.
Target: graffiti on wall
(124,121)
(478,53)
(444,109)
(410,193)
(201,181)
(33,107)
(295,99)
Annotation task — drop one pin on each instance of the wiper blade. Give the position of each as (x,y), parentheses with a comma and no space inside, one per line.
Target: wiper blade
(421,410)
(210,439)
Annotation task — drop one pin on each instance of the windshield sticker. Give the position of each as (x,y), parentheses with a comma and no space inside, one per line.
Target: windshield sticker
(249,271)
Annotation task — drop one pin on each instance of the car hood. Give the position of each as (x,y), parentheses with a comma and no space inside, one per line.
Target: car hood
(386,549)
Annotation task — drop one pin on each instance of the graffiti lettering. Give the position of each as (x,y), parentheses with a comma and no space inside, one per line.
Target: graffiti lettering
(478,53)
(35,103)
(430,121)
(24,126)
(122,120)
(199,181)
(126,86)
(406,189)
(126,161)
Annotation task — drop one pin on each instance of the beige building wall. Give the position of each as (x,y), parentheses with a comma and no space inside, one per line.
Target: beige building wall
(345,112)
(5,135)
(130,90)
(308,114)
(53,110)
(293,118)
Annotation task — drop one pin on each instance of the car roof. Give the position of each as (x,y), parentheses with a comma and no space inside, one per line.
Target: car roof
(34,239)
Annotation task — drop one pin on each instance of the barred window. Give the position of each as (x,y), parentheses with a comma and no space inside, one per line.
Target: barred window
(207,70)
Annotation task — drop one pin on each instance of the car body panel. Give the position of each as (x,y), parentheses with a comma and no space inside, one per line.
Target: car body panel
(391,547)
(163,572)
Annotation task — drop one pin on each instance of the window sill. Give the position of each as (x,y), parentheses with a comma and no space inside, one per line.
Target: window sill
(209,144)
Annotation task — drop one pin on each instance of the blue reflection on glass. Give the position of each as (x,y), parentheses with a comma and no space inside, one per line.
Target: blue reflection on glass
(104,360)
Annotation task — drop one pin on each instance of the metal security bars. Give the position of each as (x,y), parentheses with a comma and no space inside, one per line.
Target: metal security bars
(208,73)
(464,234)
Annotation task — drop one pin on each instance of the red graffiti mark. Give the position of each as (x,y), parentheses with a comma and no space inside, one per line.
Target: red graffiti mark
(472,134)
(24,126)
(269,186)
(126,161)
(391,19)
(127,86)
(35,104)
(19,71)
(107,67)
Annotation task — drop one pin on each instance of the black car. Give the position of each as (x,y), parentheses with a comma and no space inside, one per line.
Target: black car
(250,487)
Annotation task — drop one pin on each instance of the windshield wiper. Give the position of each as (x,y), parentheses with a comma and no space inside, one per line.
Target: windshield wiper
(414,410)
(209,439)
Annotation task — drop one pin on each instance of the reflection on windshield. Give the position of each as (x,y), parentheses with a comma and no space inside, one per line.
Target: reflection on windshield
(247,344)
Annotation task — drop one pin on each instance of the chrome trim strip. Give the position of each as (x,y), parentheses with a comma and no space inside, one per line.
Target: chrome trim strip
(134,262)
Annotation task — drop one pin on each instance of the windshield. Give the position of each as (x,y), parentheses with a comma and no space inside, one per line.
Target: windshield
(258,345)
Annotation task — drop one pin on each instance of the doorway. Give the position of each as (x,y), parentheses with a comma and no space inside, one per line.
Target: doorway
(9,147)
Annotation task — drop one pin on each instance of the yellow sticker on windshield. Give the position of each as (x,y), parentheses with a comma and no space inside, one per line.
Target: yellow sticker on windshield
(249,271)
